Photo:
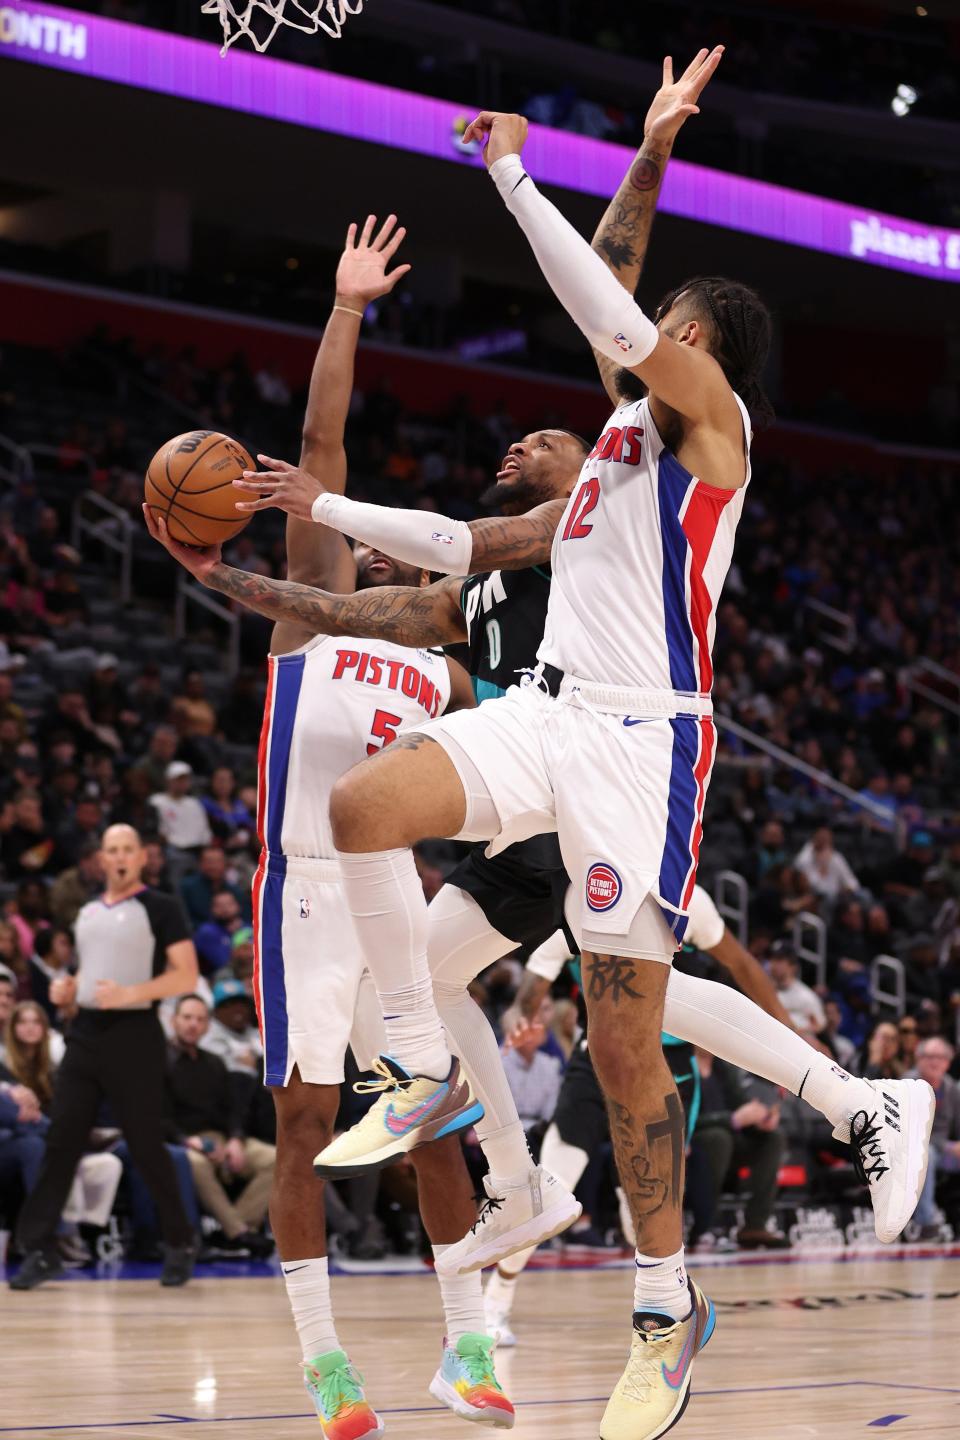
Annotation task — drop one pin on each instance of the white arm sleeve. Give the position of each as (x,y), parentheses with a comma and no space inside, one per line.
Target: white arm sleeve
(592,296)
(417,537)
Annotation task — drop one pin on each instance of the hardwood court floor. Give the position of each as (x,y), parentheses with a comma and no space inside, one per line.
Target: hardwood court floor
(804,1349)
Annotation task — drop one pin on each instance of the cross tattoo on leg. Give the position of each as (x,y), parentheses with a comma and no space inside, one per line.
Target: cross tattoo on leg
(672,1128)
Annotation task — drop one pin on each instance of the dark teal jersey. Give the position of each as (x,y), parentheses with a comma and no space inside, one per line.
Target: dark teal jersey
(506,612)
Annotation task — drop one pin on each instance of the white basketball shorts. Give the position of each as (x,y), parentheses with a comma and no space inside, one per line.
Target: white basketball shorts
(624,793)
(313,995)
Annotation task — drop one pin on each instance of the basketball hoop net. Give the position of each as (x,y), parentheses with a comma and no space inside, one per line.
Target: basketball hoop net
(238,17)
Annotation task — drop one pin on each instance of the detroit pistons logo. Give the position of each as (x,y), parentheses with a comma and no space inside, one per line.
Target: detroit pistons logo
(604,887)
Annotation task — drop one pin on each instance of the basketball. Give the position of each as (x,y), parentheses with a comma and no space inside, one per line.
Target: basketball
(190,483)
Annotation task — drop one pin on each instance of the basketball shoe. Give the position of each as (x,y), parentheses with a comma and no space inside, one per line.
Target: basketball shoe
(411,1110)
(891,1147)
(654,1390)
(512,1220)
(337,1391)
(467,1383)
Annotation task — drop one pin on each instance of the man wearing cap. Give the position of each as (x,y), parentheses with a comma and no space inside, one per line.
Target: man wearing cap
(207,1114)
(182,820)
(233,1033)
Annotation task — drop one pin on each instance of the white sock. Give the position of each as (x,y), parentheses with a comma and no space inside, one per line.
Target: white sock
(308,1290)
(385,898)
(721,1020)
(661,1285)
(501,1289)
(462,1299)
(567,1162)
(835,1093)
(508,1156)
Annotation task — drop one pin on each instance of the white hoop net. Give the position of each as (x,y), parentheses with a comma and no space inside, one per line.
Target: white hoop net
(259,20)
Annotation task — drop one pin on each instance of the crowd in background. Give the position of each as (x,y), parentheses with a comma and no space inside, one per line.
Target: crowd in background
(104,717)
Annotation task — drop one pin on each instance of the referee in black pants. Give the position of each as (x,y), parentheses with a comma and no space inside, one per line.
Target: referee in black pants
(134,948)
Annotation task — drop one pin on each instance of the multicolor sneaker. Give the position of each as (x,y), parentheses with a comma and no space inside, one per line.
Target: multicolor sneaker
(654,1390)
(412,1110)
(467,1383)
(512,1220)
(337,1391)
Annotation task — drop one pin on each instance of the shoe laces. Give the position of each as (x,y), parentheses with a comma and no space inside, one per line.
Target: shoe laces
(386,1081)
(869,1160)
(489,1205)
(478,1364)
(343,1386)
(643,1367)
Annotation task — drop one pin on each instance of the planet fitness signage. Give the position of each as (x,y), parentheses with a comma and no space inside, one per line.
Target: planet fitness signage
(258,85)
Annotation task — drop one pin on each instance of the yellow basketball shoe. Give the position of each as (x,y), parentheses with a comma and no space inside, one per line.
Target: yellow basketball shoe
(654,1390)
(412,1110)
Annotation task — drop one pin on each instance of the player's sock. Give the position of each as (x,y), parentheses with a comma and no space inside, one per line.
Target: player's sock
(502,1286)
(385,898)
(661,1285)
(508,1156)
(726,1023)
(462,1299)
(567,1162)
(308,1290)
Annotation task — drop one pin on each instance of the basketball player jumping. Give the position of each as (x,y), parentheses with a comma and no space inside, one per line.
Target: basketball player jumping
(625,988)
(328,704)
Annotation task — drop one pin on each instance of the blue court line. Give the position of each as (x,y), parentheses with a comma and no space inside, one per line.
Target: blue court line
(887,1420)
(439,1409)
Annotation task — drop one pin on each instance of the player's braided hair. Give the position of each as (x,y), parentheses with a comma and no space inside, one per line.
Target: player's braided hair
(742,330)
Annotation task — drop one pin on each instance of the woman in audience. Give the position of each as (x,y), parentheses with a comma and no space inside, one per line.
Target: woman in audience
(880,1053)
(230,820)
(11,955)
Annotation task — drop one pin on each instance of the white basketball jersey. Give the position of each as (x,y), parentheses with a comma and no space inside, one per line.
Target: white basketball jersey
(639,561)
(330,704)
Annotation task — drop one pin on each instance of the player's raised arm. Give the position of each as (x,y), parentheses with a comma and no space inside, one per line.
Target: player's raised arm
(408,615)
(417,537)
(624,232)
(315,555)
(683,376)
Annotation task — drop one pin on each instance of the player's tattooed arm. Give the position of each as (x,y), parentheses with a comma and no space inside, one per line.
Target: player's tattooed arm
(623,234)
(401,613)
(514,542)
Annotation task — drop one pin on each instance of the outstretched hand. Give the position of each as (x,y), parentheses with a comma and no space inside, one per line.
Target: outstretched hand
(362,273)
(279,486)
(504,134)
(676,100)
(198,561)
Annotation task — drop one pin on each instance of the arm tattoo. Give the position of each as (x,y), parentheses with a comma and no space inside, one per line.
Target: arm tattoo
(624,231)
(401,613)
(611,977)
(645,174)
(517,541)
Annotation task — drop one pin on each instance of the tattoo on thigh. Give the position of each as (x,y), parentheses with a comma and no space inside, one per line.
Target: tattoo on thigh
(611,976)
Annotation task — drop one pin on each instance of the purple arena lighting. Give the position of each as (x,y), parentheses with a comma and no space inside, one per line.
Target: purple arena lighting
(258,85)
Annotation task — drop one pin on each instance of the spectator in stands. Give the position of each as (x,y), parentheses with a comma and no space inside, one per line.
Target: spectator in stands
(879,1058)
(209,879)
(28,847)
(230,820)
(823,867)
(209,1124)
(802,1004)
(184,827)
(155,872)
(924,976)
(71,719)
(241,715)
(908,1037)
(214,938)
(847,940)
(29,913)
(52,957)
(22,1135)
(161,751)
(13,961)
(565,1026)
(933,1062)
(85,827)
(241,957)
(843,1049)
(192,712)
(8,999)
(74,887)
(232,1033)
(534,1076)
(734,1129)
(9,709)
(106,697)
(148,698)
(60,795)
(772,848)
(133,806)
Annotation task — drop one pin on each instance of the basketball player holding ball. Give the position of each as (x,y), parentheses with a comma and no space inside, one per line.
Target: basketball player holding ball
(340,701)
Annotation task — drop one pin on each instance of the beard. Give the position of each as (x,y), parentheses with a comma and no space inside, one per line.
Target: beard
(515,497)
